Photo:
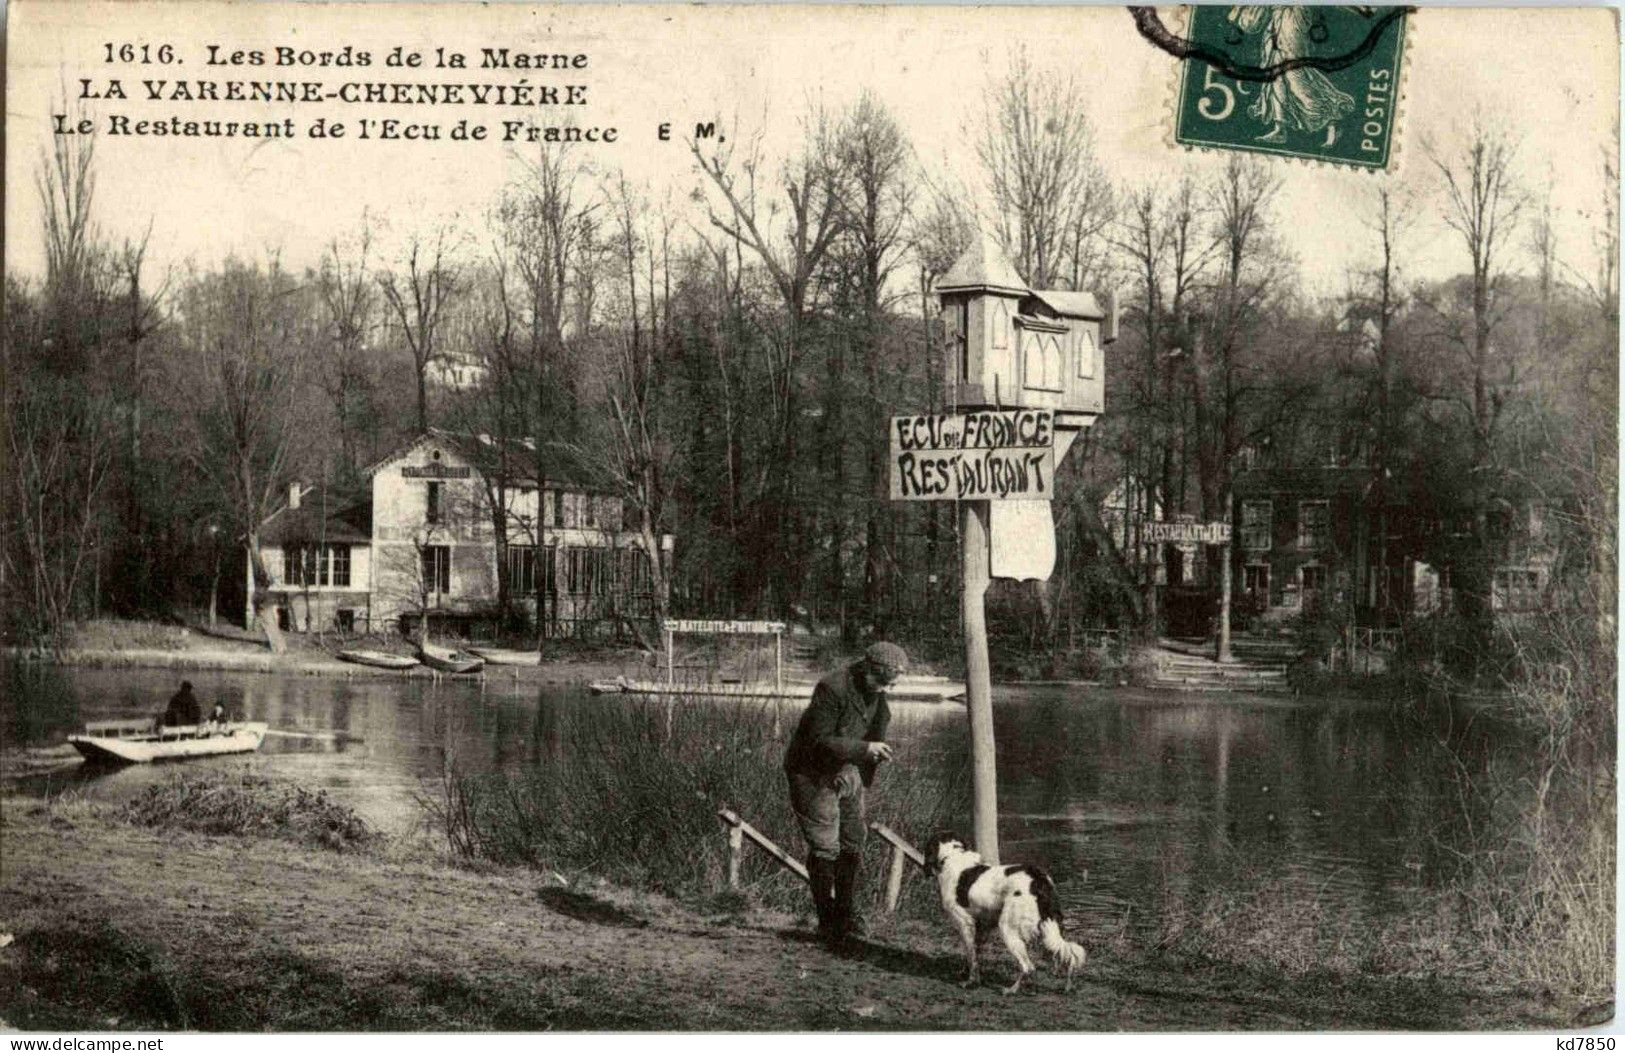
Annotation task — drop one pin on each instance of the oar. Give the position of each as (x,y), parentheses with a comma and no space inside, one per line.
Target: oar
(325,736)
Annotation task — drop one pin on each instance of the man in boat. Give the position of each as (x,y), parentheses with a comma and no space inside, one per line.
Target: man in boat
(183,708)
(837,746)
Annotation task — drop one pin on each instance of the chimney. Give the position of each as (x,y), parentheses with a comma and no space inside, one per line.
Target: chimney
(293,496)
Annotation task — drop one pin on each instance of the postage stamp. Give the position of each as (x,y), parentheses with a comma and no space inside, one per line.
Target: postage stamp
(1317,82)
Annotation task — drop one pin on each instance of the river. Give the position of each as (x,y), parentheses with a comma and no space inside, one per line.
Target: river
(1129,796)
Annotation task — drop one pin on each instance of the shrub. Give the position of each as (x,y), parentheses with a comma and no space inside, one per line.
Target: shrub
(247,804)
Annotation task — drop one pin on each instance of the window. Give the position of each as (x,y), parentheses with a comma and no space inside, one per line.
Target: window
(588,571)
(1313,578)
(558,508)
(432,510)
(1255,525)
(590,512)
(1314,524)
(522,570)
(436,568)
(1255,579)
(1517,588)
(316,565)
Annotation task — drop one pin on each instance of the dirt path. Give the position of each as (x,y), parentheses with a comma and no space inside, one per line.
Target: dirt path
(118,926)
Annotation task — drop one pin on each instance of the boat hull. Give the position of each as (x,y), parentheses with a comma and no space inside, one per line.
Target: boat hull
(499,656)
(379,659)
(451,661)
(242,738)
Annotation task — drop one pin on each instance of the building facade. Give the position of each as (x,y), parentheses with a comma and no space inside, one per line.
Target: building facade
(421,540)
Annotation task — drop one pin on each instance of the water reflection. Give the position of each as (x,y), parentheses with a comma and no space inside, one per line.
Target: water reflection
(1131,799)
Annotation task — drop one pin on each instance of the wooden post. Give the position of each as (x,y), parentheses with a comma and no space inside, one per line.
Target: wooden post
(902,854)
(671,673)
(762,841)
(736,848)
(778,680)
(974,563)
(894,880)
(1224,589)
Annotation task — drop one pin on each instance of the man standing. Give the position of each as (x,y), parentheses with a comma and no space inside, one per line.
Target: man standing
(833,755)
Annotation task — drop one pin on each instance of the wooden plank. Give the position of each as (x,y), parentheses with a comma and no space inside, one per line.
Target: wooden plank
(762,841)
(897,841)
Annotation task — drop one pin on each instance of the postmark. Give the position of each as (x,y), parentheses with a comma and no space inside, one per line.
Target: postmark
(1320,83)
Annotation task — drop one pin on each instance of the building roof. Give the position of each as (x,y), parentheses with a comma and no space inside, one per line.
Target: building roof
(347,520)
(1311,482)
(982,266)
(565,469)
(1071,304)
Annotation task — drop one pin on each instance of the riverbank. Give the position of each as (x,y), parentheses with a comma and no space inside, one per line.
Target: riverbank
(121,927)
(109,644)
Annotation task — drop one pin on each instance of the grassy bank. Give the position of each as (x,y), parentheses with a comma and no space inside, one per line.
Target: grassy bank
(127,926)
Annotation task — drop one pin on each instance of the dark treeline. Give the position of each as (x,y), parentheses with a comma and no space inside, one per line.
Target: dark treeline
(726,362)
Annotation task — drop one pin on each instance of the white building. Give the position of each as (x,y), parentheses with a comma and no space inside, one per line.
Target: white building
(420,539)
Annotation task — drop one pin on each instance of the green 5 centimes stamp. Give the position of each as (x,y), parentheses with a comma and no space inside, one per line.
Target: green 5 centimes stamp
(1317,82)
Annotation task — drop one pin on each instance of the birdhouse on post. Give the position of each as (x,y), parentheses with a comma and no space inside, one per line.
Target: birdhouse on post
(1025,374)
(1015,347)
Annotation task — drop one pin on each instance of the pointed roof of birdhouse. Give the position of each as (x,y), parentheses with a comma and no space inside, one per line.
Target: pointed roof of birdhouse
(984,266)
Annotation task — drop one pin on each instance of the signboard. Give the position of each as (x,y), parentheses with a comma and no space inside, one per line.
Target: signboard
(704,625)
(1200,533)
(988,455)
(436,471)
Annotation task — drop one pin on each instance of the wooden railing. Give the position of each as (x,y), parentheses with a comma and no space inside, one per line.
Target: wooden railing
(740,831)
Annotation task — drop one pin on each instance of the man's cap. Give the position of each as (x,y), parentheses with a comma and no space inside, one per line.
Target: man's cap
(887,656)
(186,685)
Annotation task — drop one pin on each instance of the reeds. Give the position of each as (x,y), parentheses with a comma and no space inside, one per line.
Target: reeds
(632,790)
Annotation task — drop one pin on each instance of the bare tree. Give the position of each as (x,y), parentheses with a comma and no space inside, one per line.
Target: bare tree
(348,298)
(419,297)
(250,333)
(790,233)
(1484,205)
(1051,199)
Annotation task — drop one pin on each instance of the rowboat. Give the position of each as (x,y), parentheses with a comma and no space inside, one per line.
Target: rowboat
(379,659)
(447,660)
(504,656)
(135,741)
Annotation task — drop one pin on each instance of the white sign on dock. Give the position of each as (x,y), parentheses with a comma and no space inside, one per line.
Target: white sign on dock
(988,455)
(707,625)
(1198,533)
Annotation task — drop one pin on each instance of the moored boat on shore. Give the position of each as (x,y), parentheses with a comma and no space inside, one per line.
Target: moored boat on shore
(505,656)
(447,660)
(135,741)
(378,659)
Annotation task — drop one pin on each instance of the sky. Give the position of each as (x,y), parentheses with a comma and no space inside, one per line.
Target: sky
(1550,76)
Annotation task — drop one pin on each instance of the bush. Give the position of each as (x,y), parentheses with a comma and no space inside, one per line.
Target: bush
(633,789)
(247,804)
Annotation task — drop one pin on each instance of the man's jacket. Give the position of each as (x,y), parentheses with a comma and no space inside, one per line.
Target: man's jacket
(835,729)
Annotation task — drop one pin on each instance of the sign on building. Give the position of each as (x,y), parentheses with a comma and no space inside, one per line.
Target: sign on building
(1198,533)
(987,455)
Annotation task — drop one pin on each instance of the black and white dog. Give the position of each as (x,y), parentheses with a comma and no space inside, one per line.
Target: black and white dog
(1019,900)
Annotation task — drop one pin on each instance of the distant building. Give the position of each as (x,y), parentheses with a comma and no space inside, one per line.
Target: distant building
(456,371)
(419,539)
(1308,534)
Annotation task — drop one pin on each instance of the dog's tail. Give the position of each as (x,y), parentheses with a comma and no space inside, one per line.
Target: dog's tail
(1069,956)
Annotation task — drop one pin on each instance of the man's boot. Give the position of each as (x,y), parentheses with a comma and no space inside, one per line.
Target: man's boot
(821,879)
(847,916)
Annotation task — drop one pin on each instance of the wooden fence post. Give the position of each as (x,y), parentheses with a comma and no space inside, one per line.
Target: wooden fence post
(894,880)
(736,849)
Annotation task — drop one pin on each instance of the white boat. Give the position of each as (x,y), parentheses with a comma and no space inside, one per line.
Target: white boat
(447,660)
(505,656)
(135,741)
(378,659)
